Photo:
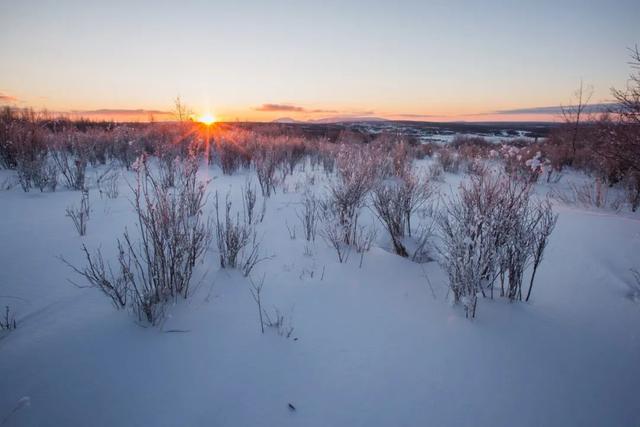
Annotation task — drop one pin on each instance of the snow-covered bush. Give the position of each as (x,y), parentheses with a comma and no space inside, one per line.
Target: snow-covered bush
(525,163)
(492,229)
(468,251)
(347,193)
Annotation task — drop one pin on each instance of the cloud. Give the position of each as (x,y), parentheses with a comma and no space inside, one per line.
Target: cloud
(4,97)
(556,109)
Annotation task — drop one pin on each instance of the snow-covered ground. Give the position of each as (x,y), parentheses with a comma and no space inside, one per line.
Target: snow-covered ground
(373,346)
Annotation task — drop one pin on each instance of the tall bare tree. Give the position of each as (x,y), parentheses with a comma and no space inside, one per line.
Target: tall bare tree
(574,115)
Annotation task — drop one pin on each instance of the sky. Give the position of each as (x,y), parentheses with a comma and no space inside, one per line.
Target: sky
(264,60)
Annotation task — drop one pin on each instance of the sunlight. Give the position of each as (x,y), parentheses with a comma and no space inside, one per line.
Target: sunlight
(207,119)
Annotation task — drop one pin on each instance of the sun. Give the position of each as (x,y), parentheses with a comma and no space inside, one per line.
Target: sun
(206,119)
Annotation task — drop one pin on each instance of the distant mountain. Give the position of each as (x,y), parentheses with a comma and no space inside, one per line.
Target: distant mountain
(333,119)
(346,119)
(286,120)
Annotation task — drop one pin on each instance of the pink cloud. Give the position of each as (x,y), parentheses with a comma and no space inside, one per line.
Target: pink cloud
(6,98)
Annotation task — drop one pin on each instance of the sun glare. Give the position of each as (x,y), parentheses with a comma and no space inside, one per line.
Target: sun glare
(207,119)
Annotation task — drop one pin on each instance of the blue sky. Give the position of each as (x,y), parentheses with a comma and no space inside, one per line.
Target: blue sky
(431,59)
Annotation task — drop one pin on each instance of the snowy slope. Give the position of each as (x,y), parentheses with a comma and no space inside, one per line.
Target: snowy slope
(374,346)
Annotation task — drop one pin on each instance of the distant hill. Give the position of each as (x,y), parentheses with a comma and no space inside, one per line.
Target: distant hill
(348,119)
(287,120)
(334,119)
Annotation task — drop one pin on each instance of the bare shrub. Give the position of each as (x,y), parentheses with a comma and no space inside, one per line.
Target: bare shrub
(168,166)
(332,232)
(232,235)
(266,165)
(38,171)
(291,229)
(436,173)
(632,190)
(174,236)
(249,204)
(589,195)
(544,223)
(22,140)
(125,146)
(249,201)
(26,151)
(635,284)
(156,268)
(422,243)
(251,255)
(8,144)
(233,150)
(80,215)
(390,154)
(278,321)
(415,193)
(71,157)
(449,160)
(8,321)
(116,286)
(238,244)
(395,201)
(364,238)
(388,205)
(193,191)
(108,183)
(309,215)
(256,293)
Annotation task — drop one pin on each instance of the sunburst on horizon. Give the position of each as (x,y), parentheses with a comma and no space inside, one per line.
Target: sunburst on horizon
(206,119)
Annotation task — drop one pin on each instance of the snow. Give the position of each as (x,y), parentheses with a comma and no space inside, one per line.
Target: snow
(372,346)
